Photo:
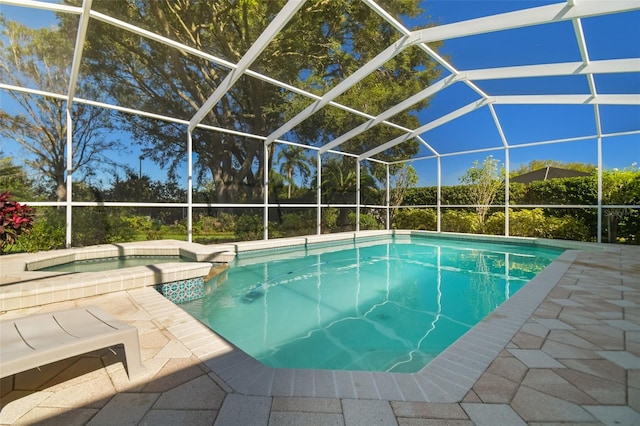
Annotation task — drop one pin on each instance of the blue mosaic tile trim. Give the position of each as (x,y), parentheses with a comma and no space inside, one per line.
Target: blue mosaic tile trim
(183,290)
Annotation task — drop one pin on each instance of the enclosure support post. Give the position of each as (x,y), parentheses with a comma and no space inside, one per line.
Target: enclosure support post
(73,80)
(265,181)
(388,199)
(319,196)
(600,189)
(506,191)
(69,199)
(439,194)
(189,186)
(357,195)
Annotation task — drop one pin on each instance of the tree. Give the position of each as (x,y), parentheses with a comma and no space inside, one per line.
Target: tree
(293,159)
(402,181)
(132,188)
(540,164)
(339,182)
(14,179)
(40,58)
(339,185)
(484,183)
(325,42)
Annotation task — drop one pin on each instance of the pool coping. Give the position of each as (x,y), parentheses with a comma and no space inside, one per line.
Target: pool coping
(448,378)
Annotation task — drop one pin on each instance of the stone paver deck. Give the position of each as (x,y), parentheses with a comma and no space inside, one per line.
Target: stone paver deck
(574,360)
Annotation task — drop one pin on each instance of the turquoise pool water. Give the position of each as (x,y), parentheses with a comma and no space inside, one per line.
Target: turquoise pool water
(109,263)
(388,305)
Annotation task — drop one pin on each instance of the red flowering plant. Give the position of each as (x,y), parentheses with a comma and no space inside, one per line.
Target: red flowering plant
(15,219)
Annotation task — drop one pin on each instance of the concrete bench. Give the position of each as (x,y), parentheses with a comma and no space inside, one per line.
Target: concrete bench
(37,340)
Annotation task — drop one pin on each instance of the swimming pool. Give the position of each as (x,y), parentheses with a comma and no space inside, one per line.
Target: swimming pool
(390,304)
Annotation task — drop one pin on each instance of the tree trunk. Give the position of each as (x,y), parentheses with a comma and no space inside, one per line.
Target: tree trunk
(612,228)
(61,191)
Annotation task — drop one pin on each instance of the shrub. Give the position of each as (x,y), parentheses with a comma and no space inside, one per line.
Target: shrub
(205,224)
(98,226)
(299,223)
(15,220)
(329,218)
(495,224)
(367,221)
(249,227)
(568,228)
(48,232)
(459,221)
(227,222)
(534,223)
(423,219)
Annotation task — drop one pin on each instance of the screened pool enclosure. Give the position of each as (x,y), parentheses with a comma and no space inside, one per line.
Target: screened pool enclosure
(304,116)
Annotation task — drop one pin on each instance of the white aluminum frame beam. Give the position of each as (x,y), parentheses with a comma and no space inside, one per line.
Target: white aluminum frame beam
(509,100)
(407,103)
(431,125)
(567,99)
(609,66)
(504,21)
(73,80)
(525,18)
(547,70)
(54,7)
(269,33)
(78,50)
(345,85)
(193,51)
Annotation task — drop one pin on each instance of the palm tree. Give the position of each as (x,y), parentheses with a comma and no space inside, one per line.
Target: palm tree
(293,159)
(340,181)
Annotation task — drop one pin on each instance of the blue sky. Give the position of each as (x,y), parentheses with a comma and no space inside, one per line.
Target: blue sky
(608,37)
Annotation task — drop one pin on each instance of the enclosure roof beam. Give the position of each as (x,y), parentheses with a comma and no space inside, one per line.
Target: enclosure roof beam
(546,70)
(135,112)
(230,65)
(77,51)
(496,121)
(345,85)
(407,103)
(431,125)
(54,7)
(524,18)
(553,70)
(521,18)
(567,99)
(510,100)
(522,145)
(32,91)
(428,50)
(273,29)
(427,145)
